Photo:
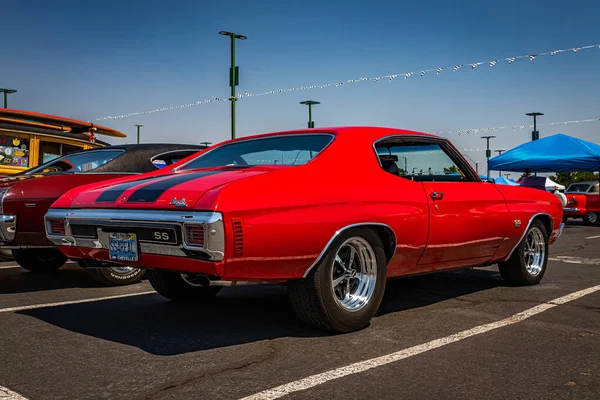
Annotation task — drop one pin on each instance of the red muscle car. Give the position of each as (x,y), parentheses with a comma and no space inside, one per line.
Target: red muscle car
(26,197)
(332,212)
(583,201)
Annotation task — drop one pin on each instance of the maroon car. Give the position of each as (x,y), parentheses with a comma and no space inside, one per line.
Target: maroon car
(25,198)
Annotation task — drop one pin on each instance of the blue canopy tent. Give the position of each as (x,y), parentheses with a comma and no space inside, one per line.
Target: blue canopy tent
(503,181)
(556,153)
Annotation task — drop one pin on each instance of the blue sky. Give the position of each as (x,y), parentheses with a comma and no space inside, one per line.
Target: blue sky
(90,59)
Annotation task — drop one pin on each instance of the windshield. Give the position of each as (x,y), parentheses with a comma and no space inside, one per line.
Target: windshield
(79,162)
(579,188)
(278,150)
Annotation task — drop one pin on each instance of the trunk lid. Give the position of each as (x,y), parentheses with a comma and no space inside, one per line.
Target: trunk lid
(178,190)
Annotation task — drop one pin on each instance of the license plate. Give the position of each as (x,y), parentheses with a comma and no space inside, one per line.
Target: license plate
(122,246)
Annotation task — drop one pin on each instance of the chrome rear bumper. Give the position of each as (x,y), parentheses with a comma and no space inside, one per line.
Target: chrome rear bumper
(101,219)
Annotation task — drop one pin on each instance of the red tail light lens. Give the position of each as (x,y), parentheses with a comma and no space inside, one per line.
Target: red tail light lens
(194,235)
(56,226)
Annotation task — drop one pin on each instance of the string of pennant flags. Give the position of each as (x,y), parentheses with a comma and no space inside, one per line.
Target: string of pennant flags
(406,75)
(513,128)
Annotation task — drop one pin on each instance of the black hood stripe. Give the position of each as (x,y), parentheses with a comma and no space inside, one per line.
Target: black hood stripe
(151,192)
(111,195)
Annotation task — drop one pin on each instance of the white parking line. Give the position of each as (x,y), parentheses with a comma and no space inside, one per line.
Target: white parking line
(6,394)
(64,303)
(593,237)
(576,260)
(362,366)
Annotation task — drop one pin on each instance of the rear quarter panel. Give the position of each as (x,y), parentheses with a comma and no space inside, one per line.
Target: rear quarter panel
(523,204)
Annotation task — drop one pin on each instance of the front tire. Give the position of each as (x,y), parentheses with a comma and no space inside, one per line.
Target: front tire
(527,265)
(344,290)
(590,219)
(39,260)
(180,287)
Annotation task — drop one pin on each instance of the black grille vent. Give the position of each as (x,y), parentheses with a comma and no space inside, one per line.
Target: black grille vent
(238,238)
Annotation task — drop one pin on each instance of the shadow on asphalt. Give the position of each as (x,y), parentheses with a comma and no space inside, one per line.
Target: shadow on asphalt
(19,280)
(237,315)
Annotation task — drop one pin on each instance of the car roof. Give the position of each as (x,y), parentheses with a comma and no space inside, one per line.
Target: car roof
(356,133)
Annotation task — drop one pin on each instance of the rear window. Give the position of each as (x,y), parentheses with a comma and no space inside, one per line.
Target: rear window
(278,150)
(578,188)
(80,162)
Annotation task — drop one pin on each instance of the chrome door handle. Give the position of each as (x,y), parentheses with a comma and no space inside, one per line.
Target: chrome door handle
(437,195)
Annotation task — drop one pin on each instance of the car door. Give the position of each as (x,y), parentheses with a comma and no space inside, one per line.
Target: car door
(593,198)
(468,218)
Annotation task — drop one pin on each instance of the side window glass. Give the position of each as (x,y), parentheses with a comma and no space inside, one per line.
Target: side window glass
(419,162)
(595,189)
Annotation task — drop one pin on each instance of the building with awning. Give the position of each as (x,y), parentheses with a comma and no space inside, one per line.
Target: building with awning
(28,139)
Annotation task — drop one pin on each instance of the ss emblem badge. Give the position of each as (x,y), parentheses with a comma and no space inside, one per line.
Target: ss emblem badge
(161,236)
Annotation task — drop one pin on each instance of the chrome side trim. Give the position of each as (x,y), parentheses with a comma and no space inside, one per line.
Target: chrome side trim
(569,209)
(337,233)
(8,227)
(527,228)
(214,238)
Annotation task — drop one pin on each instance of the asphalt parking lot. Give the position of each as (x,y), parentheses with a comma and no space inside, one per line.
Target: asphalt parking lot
(451,335)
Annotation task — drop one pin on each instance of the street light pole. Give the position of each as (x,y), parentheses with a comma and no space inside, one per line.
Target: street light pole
(488,153)
(138,132)
(499,151)
(6,93)
(309,103)
(233,76)
(535,135)
(206,143)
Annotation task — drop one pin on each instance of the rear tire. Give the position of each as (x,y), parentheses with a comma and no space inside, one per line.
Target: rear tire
(39,260)
(177,287)
(112,274)
(344,290)
(527,265)
(590,219)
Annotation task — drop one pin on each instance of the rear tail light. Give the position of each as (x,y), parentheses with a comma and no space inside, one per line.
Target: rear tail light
(194,235)
(56,227)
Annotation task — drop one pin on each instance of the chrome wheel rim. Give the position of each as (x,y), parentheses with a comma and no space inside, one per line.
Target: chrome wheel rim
(122,270)
(354,274)
(592,217)
(535,251)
